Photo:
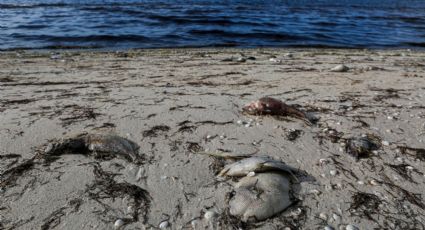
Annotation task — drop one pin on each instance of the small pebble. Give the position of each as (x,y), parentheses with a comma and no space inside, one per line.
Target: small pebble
(336,217)
(315,192)
(130,209)
(48,148)
(239,122)
(340,68)
(351,227)
(251,174)
(210,215)
(333,172)
(297,212)
(410,168)
(118,224)
(373,182)
(164,225)
(385,143)
(360,182)
(323,161)
(194,224)
(328,228)
(323,216)
(390,118)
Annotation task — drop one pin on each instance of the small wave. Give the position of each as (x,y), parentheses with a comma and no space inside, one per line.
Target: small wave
(89,38)
(257,35)
(19,6)
(31,27)
(415,44)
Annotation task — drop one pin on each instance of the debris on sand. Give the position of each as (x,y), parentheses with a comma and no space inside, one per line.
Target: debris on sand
(362,147)
(262,192)
(101,146)
(260,197)
(340,68)
(275,107)
(254,164)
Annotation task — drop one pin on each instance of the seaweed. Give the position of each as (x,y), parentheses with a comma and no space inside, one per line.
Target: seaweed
(365,205)
(53,219)
(153,132)
(293,134)
(194,147)
(105,187)
(418,153)
(403,171)
(293,221)
(10,176)
(80,114)
(214,122)
(412,198)
(362,147)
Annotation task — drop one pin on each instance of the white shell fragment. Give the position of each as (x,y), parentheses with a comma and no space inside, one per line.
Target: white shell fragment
(164,225)
(210,215)
(254,164)
(260,197)
(340,68)
(118,224)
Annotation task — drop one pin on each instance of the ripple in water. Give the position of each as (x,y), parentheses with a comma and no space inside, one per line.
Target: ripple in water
(36,24)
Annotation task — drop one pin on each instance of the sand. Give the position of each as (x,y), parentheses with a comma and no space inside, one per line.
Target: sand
(178,103)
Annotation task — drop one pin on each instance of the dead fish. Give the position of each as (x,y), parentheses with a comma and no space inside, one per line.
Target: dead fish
(361,147)
(254,164)
(260,197)
(272,106)
(101,146)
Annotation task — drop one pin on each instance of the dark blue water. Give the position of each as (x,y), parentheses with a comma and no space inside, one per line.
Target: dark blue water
(245,23)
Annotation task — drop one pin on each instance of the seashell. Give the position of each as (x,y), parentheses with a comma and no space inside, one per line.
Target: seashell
(260,197)
(118,224)
(210,215)
(164,224)
(351,227)
(254,164)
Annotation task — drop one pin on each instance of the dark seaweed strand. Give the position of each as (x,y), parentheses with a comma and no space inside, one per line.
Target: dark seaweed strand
(9,177)
(105,187)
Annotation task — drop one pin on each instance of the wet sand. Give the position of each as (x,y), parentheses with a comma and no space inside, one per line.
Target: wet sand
(177,104)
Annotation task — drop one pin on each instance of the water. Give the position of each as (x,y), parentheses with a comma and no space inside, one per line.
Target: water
(207,23)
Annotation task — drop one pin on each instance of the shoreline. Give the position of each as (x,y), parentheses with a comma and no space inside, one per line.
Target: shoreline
(129,49)
(177,103)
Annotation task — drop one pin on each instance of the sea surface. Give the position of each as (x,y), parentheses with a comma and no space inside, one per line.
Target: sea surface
(121,24)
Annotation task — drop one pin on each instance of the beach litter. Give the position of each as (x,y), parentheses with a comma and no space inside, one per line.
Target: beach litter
(362,147)
(340,68)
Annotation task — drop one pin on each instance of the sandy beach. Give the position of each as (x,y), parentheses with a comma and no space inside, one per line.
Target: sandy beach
(178,105)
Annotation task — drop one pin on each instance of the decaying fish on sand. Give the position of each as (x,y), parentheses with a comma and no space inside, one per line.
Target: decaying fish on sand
(100,146)
(254,164)
(275,107)
(260,197)
(264,190)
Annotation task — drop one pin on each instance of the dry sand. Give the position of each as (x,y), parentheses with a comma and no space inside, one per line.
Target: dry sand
(176,103)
